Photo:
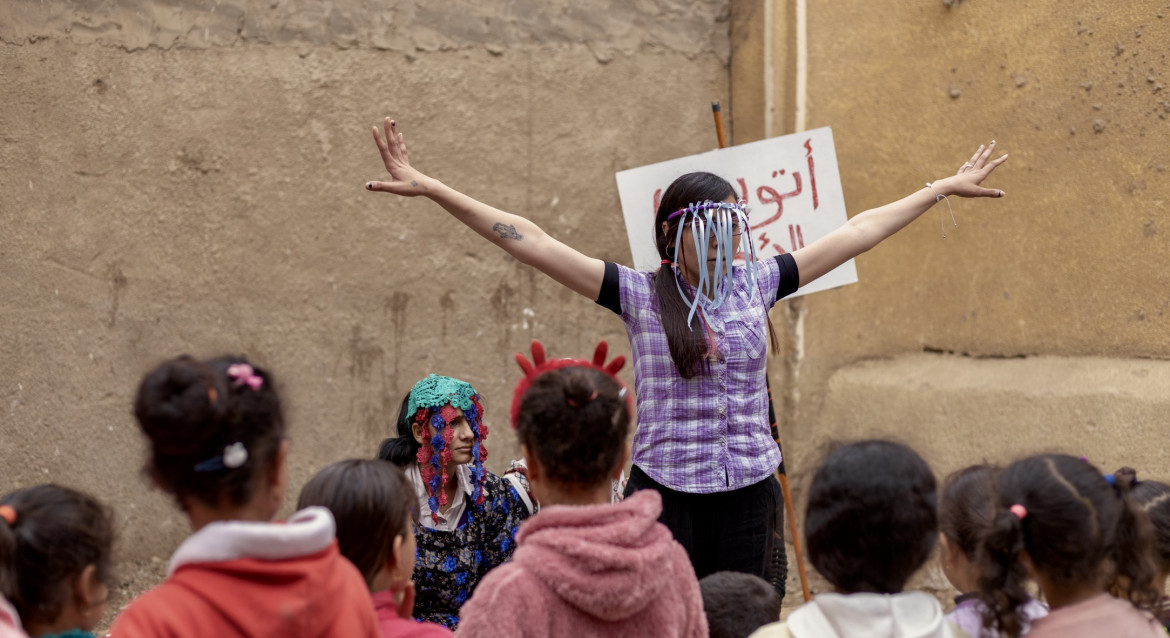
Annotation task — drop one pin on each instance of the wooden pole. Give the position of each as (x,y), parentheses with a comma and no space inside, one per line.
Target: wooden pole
(781,473)
(718,124)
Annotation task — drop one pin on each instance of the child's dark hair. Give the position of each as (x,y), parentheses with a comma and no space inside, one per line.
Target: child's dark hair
(1153,497)
(1073,523)
(575,422)
(192,411)
(967,507)
(56,534)
(872,517)
(372,502)
(402,449)
(688,344)
(738,604)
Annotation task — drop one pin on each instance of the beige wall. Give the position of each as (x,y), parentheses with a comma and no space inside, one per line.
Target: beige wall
(188,177)
(1040,323)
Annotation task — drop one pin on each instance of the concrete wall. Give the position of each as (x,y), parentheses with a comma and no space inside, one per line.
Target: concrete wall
(1040,323)
(187,176)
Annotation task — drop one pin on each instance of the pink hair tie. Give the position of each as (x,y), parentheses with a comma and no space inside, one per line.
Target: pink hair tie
(1019,510)
(574,403)
(244,374)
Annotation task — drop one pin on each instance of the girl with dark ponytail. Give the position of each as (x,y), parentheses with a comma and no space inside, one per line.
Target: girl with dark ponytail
(698,331)
(216,442)
(61,543)
(1076,532)
(966,513)
(1153,498)
(467,515)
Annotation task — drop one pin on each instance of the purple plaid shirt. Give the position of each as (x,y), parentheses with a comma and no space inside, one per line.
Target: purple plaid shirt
(709,433)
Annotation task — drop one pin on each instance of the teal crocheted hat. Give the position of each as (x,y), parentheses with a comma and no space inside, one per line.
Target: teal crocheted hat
(436,391)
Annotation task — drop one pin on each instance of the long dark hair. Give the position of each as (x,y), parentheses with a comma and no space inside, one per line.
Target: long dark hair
(688,343)
(402,449)
(1153,497)
(1076,524)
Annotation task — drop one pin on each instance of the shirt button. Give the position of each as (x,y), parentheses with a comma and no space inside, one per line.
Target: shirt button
(722,442)
(722,411)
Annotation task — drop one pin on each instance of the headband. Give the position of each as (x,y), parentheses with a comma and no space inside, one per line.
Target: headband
(541,364)
(443,397)
(740,206)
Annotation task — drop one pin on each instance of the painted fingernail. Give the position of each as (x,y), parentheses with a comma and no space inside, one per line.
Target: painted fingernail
(369,186)
(993,142)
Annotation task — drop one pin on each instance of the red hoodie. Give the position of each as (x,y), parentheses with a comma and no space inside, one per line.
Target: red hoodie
(256,579)
(595,570)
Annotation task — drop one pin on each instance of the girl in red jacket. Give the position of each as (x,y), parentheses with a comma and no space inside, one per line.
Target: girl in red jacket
(583,566)
(217,444)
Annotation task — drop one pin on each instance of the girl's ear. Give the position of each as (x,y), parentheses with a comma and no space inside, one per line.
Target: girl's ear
(91,595)
(396,560)
(417,430)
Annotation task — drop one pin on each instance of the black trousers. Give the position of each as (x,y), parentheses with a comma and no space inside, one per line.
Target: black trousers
(725,531)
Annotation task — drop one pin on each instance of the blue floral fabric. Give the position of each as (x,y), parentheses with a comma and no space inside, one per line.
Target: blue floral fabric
(450,564)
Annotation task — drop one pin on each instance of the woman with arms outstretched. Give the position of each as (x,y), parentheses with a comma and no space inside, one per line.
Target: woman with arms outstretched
(698,335)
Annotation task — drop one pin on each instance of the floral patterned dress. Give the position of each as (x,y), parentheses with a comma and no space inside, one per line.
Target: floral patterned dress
(451,563)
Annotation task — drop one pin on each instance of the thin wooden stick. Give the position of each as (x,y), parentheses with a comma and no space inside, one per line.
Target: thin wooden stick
(718,124)
(795,535)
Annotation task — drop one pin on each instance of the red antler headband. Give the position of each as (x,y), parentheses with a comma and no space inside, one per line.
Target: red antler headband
(541,364)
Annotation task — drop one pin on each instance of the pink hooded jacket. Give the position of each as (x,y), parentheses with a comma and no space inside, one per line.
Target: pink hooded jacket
(595,570)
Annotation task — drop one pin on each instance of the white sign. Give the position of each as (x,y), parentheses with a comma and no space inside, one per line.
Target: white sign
(791,184)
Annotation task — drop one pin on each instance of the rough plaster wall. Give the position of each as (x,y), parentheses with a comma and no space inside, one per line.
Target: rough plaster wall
(187,177)
(1067,271)
(1069,263)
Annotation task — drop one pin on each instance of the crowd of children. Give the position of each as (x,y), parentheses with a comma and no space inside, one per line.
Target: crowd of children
(1046,546)
(423,540)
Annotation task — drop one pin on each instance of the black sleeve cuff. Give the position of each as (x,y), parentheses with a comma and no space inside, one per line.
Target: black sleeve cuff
(610,295)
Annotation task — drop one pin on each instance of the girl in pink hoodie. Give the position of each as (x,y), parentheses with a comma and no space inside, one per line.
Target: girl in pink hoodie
(584,566)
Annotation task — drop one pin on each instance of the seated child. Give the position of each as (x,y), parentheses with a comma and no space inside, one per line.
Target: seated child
(217,444)
(1153,497)
(871,522)
(467,515)
(374,506)
(61,541)
(965,514)
(584,566)
(1074,530)
(738,604)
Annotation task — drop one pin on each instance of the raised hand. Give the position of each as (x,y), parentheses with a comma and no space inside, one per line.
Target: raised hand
(406,180)
(966,182)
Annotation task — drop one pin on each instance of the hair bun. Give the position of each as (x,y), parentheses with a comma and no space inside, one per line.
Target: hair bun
(175,404)
(579,389)
(1124,479)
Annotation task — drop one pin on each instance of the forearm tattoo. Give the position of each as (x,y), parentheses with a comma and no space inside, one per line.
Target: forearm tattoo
(507,231)
(416,185)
